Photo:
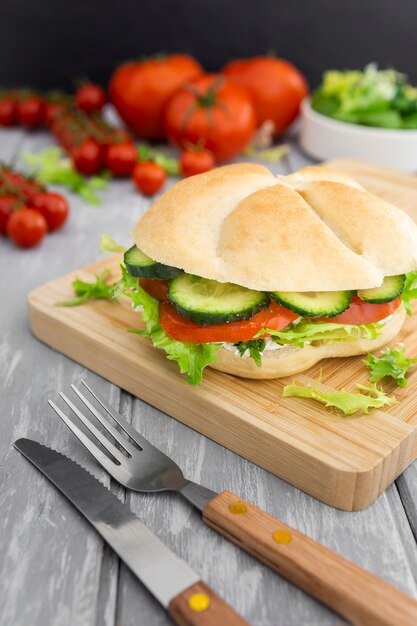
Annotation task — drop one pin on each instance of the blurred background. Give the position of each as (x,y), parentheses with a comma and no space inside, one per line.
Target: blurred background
(151,91)
(46,43)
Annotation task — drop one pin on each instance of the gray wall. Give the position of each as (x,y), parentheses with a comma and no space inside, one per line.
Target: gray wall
(46,43)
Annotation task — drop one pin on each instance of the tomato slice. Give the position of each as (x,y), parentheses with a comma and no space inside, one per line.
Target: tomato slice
(360,312)
(181,329)
(155,287)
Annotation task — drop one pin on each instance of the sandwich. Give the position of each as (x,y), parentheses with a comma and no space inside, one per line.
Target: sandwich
(262,276)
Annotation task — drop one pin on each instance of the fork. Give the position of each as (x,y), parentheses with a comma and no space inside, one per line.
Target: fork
(358,595)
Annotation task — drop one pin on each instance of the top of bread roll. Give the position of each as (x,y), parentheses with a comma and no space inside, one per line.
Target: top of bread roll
(314,230)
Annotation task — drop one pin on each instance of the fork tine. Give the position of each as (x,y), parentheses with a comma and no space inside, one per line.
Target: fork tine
(114,433)
(133,434)
(115,452)
(87,443)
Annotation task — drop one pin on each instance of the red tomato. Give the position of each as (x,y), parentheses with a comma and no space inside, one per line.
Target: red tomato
(54,110)
(122,136)
(54,208)
(26,227)
(87,157)
(195,161)
(68,132)
(156,288)
(277,88)
(211,110)
(24,185)
(8,112)
(140,90)
(7,205)
(148,177)
(361,312)
(120,158)
(275,316)
(31,112)
(90,98)
(114,136)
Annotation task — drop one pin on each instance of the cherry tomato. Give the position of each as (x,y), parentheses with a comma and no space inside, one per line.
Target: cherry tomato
(276,86)
(275,316)
(90,98)
(140,90)
(195,161)
(148,177)
(8,112)
(213,110)
(26,227)
(54,110)
(25,186)
(117,135)
(360,312)
(68,132)
(8,204)
(54,208)
(31,112)
(121,158)
(87,157)
(122,135)
(156,288)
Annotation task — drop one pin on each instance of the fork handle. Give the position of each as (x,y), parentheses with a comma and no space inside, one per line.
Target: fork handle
(200,606)
(356,594)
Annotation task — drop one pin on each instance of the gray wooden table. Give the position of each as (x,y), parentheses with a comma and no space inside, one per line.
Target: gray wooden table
(54,569)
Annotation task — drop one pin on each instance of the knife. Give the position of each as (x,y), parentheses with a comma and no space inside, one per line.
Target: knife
(188,600)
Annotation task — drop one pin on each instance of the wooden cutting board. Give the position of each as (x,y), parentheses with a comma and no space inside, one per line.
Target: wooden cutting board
(345,462)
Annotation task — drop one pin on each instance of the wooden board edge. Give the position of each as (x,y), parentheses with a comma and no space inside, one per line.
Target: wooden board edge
(370,485)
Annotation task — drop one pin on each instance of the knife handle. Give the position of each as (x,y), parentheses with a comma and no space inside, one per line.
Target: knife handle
(356,594)
(200,606)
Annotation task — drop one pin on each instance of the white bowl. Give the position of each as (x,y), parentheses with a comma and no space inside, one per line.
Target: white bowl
(325,138)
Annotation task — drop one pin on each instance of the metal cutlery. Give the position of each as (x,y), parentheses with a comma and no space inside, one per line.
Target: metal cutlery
(188,600)
(358,595)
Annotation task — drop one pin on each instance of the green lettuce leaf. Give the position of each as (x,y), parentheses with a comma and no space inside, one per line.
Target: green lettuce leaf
(273,154)
(169,164)
(410,291)
(373,97)
(192,358)
(100,289)
(307,331)
(255,347)
(347,402)
(392,363)
(108,244)
(53,168)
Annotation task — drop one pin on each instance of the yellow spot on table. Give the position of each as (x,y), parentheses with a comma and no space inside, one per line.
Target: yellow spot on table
(281,536)
(238,508)
(199,602)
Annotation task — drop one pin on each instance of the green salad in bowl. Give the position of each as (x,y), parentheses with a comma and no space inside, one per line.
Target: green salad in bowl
(372,97)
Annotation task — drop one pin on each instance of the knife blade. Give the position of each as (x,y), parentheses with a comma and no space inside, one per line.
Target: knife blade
(170,579)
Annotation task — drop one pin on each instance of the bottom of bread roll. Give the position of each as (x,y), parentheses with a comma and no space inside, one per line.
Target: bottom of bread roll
(291,360)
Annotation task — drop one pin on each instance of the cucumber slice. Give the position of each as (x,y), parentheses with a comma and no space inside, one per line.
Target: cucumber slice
(314,303)
(140,264)
(208,302)
(390,289)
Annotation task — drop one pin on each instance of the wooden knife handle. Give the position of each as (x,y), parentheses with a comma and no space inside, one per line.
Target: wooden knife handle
(357,595)
(200,606)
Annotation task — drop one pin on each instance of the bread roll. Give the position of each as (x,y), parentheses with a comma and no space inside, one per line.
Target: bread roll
(315,230)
